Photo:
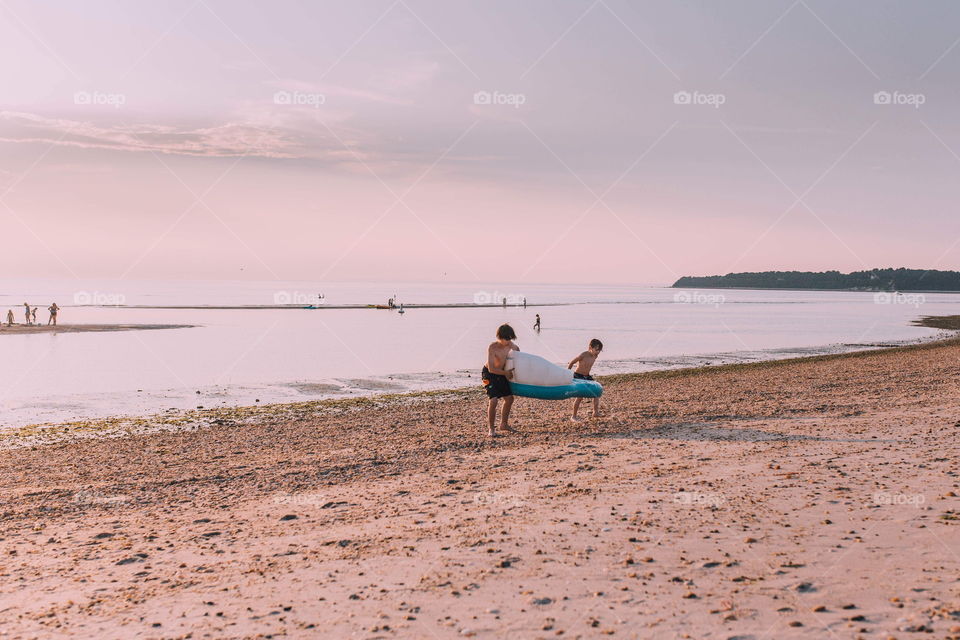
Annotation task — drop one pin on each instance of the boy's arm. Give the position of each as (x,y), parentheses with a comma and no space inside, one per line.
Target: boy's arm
(574,361)
(494,364)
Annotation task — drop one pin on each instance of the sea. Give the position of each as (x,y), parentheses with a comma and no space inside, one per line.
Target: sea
(253,343)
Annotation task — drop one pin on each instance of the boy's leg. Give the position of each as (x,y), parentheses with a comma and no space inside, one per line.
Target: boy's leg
(505,415)
(492,416)
(596,407)
(576,407)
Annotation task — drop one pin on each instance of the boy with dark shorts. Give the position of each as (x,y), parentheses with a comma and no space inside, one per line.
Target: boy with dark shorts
(496,379)
(584,363)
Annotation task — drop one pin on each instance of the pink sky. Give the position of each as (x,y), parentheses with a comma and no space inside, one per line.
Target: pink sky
(348,141)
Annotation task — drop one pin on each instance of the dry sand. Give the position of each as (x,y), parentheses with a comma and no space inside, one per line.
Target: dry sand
(20,329)
(802,499)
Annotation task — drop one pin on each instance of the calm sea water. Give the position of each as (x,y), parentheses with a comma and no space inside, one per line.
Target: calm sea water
(236,357)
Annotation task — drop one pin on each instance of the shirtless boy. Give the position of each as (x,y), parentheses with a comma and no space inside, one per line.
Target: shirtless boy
(496,379)
(584,363)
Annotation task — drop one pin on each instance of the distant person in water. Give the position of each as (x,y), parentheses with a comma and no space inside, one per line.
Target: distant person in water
(584,363)
(9,317)
(53,309)
(496,379)
(26,312)
(33,314)
(524,303)
(536,324)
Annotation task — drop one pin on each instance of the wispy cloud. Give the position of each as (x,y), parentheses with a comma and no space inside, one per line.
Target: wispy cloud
(228,139)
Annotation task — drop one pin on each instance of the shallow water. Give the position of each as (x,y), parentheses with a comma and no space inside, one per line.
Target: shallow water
(239,356)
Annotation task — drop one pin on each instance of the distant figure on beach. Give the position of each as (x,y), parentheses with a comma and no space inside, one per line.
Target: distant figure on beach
(34,315)
(53,309)
(496,379)
(9,317)
(26,312)
(536,324)
(504,302)
(584,363)
(524,303)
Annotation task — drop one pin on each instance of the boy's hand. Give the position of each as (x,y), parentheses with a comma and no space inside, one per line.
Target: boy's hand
(509,374)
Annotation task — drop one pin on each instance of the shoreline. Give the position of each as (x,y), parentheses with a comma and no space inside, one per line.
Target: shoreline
(317,307)
(768,499)
(24,329)
(190,419)
(673,286)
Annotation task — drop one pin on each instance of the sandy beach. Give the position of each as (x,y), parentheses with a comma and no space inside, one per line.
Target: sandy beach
(812,498)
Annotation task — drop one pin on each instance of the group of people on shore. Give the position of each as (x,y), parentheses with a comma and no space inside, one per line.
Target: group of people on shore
(30,315)
(496,378)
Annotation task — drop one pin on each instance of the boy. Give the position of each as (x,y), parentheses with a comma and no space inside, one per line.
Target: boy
(496,379)
(584,363)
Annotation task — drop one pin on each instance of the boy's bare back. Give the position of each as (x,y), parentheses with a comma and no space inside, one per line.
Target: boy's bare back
(585,362)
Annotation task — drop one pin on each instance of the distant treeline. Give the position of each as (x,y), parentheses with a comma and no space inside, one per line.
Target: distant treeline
(873,280)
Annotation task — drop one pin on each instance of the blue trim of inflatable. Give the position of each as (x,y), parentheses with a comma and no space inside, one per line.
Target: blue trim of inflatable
(576,389)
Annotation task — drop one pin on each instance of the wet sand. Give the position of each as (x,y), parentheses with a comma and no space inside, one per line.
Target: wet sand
(811,498)
(21,329)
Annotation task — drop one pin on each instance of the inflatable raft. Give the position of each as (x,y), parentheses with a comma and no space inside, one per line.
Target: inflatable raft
(536,377)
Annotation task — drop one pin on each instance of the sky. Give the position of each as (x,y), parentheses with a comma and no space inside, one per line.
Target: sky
(498,141)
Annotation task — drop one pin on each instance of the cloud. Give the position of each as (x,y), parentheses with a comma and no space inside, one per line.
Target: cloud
(229,139)
(257,129)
